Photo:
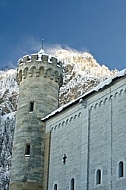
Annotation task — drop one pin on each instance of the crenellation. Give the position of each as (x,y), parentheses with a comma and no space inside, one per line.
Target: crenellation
(26,58)
(59,64)
(45,58)
(29,61)
(54,61)
(34,57)
(20,61)
(37,65)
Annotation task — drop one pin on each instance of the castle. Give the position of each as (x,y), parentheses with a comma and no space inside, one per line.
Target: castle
(79,146)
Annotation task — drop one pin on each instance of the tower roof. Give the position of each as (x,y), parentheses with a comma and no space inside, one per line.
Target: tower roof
(41,51)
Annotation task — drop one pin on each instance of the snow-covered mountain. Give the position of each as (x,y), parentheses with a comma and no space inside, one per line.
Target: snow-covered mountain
(81,73)
(8,105)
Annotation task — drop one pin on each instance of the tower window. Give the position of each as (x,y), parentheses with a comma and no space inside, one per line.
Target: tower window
(121,169)
(27,150)
(98,177)
(31,108)
(72,184)
(55,187)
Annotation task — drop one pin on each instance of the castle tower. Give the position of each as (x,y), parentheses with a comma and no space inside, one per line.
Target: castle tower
(39,78)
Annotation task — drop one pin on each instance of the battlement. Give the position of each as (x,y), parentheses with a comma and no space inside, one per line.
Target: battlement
(37,65)
(39,58)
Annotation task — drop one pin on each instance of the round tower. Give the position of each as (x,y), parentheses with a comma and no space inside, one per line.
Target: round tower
(39,78)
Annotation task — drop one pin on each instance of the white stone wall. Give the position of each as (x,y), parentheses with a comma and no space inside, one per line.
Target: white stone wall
(119,134)
(92,137)
(99,151)
(66,138)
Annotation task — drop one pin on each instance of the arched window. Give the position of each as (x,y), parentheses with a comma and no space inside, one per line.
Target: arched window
(55,187)
(72,184)
(121,169)
(98,177)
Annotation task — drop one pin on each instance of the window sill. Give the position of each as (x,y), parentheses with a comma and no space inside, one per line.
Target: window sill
(27,155)
(121,178)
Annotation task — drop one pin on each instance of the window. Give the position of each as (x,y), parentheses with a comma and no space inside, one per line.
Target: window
(98,177)
(55,187)
(31,108)
(121,169)
(27,150)
(72,184)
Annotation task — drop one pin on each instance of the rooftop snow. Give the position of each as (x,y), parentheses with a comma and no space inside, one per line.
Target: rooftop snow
(42,52)
(95,89)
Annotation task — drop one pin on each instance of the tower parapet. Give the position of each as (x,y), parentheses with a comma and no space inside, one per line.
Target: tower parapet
(39,78)
(39,65)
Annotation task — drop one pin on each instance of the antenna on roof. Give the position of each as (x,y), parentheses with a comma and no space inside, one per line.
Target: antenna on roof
(42,43)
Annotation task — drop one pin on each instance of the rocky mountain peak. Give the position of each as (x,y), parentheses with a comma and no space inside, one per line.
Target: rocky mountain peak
(81,73)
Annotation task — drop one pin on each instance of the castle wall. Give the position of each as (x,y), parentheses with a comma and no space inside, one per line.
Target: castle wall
(107,136)
(99,151)
(92,134)
(69,137)
(119,134)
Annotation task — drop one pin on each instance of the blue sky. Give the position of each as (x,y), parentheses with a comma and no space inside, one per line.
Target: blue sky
(96,26)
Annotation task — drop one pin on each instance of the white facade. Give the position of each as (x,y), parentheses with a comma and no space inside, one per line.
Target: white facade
(88,140)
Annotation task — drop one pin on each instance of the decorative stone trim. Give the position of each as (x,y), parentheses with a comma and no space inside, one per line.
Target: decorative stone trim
(103,101)
(65,122)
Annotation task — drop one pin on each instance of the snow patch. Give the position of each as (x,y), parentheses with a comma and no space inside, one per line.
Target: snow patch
(9,115)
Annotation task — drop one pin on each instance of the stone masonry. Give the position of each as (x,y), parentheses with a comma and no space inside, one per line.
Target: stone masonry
(91,132)
(39,79)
